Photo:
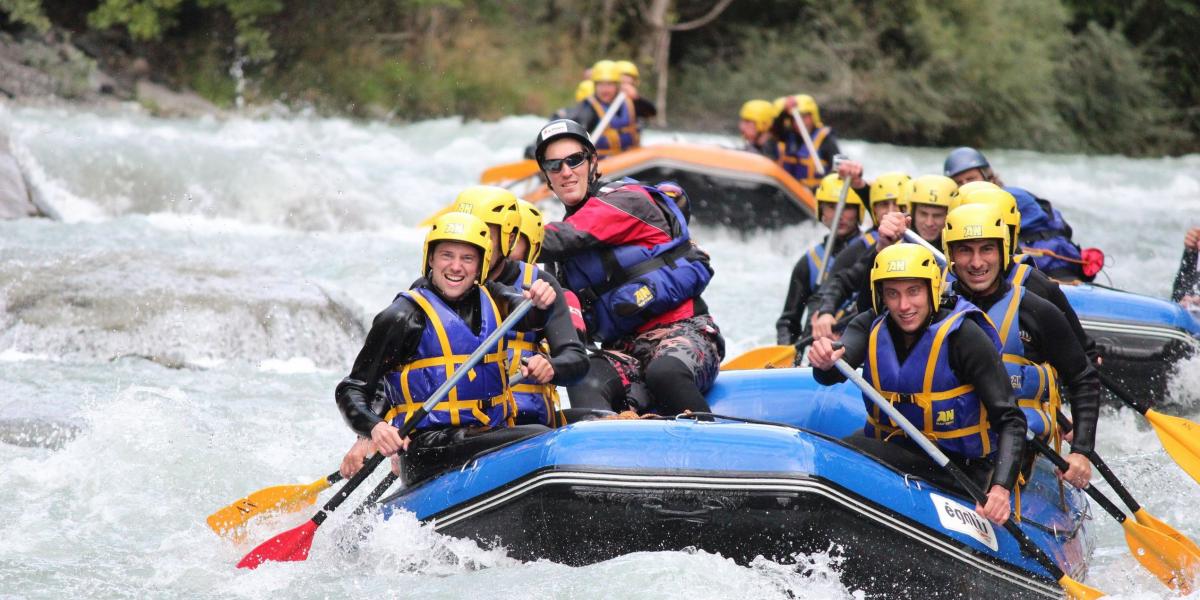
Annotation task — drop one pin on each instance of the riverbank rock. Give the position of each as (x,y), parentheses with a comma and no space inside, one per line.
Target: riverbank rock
(163,102)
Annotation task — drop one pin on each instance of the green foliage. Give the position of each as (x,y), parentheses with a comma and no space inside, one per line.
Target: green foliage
(28,12)
(143,19)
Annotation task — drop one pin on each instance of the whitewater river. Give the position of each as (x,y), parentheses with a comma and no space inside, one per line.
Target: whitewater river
(173,343)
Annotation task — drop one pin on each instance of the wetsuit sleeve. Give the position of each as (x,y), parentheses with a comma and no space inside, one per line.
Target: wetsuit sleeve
(1043,286)
(974,359)
(585,115)
(855,341)
(789,325)
(567,355)
(850,270)
(392,340)
(1187,280)
(644,108)
(1052,335)
(829,149)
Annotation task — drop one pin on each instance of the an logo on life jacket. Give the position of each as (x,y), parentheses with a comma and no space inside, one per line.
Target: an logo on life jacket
(1016,381)
(897,265)
(964,519)
(643,296)
(1024,335)
(945,417)
(973,231)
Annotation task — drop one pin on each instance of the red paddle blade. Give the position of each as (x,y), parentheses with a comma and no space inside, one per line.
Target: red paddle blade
(291,545)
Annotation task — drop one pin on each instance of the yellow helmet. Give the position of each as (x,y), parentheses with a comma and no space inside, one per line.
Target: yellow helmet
(584,89)
(830,188)
(976,222)
(460,227)
(906,261)
(760,112)
(626,67)
(495,206)
(1004,202)
(531,228)
(806,105)
(937,190)
(606,71)
(891,186)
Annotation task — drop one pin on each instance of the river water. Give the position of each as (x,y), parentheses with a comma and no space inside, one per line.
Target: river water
(173,343)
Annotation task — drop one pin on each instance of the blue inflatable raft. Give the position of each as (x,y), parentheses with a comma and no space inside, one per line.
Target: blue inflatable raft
(1140,338)
(599,489)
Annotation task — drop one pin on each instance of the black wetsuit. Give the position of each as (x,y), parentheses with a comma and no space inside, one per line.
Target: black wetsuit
(392,342)
(1047,338)
(975,361)
(1187,280)
(791,326)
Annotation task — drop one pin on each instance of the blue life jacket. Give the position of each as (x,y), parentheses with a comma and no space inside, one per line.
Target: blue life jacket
(1045,234)
(1034,385)
(622,288)
(815,256)
(793,156)
(623,131)
(480,398)
(532,402)
(925,390)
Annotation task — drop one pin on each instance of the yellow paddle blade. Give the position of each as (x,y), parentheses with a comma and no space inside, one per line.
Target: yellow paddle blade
(764,357)
(1167,559)
(1181,439)
(285,498)
(428,222)
(1152,522)
(1078,591)
(509,172)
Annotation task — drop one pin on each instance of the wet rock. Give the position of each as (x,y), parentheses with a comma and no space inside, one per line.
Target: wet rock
(164,102)
(15,200)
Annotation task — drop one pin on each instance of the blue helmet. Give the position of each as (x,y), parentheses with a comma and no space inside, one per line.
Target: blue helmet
(964,159)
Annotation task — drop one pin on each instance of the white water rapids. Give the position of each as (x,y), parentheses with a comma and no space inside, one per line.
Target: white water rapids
(174,342)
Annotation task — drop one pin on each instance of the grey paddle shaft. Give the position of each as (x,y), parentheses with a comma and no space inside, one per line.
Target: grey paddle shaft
(916,239)
(808,143)
(472,360)
(833,227)
(919,438)
(608,116)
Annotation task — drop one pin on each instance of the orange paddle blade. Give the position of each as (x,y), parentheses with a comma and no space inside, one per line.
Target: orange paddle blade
(281,498)
(1181,439)
(500,174)
(764,357)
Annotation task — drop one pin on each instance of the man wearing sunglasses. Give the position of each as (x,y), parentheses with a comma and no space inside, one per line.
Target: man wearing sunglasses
(626,252)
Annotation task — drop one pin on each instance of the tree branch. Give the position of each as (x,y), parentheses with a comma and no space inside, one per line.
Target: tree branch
(716,11)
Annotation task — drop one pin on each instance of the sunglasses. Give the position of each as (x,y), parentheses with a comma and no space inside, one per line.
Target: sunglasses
(553,165)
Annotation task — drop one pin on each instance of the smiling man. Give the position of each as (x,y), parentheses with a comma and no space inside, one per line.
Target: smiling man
(936,360)
(626,252)
(1039,347)
(425,334)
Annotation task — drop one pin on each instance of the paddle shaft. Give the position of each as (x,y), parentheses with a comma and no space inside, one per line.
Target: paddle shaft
(942,460)
(1065,425)
(833,227)
(608,116)
(391,478)
(1062,465)
(912,236)
(418,416)
(808,143)
(1122,393)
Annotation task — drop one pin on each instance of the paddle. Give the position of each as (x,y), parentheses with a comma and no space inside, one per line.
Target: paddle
(774,357)
(616,105)
(282,498)
(293,545)
(1180,437)
(1139,513)
(833,227)
(911,236)
(506,173)
(1172,562)
(1074,589)
(808,143)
